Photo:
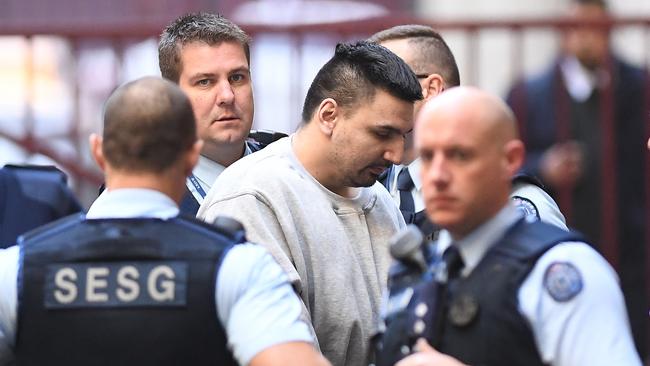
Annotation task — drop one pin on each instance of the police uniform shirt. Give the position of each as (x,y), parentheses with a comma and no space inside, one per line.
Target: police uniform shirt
(204,174)
(529,198)
(416,192)
(571,298)
(255,302)
(537,204)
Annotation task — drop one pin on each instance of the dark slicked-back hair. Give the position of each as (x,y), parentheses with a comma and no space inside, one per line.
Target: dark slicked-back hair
(148,125)
(430,49)
(354,74)
(207,28)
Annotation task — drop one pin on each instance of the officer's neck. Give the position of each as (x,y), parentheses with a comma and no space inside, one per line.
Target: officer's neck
(222,153)
(171,184)
(467,227)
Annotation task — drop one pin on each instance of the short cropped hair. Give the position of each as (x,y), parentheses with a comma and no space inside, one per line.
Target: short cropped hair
(148,125)
(211,29)
(430,49)
(354,74)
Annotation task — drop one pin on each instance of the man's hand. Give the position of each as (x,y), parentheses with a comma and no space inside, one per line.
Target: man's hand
(428,356)
(561,165)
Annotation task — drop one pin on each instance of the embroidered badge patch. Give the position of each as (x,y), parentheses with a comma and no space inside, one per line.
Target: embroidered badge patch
(464,309)
(563,281)
(527,207)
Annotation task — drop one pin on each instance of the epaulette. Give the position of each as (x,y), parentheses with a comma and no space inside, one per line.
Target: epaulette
(40,168)
(264,138)
(527,178)
(59,224)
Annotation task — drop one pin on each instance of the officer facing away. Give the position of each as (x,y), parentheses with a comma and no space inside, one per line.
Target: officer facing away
(500,289)
(132,283)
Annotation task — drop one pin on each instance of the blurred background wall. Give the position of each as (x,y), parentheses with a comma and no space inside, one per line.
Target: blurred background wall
(60,59)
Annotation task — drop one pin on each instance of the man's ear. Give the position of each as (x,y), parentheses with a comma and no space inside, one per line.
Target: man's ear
(96,142)
(192,157)
(327,115)
(515,152)
(433,85)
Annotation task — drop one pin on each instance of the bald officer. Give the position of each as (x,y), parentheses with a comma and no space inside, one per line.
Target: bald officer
(500,290)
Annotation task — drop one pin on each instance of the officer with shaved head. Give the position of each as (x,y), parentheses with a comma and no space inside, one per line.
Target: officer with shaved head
(431,59)
(498,290)
(133,283)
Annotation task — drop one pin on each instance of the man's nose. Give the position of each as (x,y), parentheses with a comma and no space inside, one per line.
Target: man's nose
(225,94)
(395,152)
(438,172)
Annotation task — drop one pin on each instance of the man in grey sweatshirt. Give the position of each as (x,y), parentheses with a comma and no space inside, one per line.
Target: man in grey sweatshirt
(312,199)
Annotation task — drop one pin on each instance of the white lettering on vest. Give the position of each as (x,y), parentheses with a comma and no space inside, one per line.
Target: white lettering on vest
(127,280)
(116,284)
(95,283)
(167,284)
(64,280)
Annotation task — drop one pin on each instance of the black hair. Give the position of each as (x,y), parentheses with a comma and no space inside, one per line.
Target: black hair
(354,74)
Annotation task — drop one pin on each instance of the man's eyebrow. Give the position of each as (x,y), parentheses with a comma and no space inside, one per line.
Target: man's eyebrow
(198,75)
(393,129)
(240,69)
(202,75)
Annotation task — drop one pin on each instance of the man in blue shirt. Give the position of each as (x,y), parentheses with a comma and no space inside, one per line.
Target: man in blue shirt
(134,283)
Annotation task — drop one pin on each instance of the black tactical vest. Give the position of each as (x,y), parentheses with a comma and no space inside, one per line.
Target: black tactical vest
(483,325)
(122,292)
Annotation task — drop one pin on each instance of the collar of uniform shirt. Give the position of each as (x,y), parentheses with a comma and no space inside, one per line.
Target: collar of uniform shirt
(414,172)
(473,246)
(132,202)
(207,170)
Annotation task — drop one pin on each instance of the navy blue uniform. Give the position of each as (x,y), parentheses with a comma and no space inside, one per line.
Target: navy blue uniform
(525,293)
(31,196)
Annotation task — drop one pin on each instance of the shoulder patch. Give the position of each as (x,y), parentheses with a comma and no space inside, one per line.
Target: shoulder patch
(563,281)
(527,207)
